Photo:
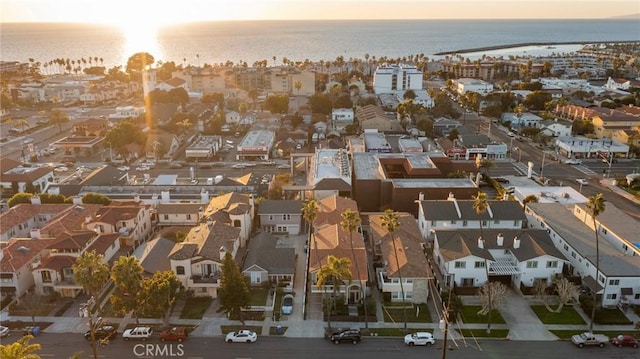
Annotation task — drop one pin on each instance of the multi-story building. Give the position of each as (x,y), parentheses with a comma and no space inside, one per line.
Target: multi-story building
(392,78)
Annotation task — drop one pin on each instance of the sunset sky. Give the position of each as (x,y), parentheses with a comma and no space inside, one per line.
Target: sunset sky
(163,12)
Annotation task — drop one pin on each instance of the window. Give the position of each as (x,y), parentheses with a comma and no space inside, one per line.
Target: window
(625,247)
(67,272)
(614,281)
(573,254)
(467,282)
(188,217)
(180,270)
(479,264)
(552,264)
(459,264)
(453,222)
(409,281)
(46,276)
(516,223)
(395,280)
(612,296)
(286,217)
(566,247)
(271,217)
(637,296)
(408,295)
(433,223)
(532,264)
(601,279)
(484,223)
(166,217)
(464,223)
(497,221)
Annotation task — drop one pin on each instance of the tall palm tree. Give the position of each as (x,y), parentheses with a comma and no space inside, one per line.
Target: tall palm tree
(350,223)
(595,207)
(335,271)
(480,205)
(126,274)
(58,117)
(390,222)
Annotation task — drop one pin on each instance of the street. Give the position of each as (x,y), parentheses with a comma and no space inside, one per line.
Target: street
(64,345)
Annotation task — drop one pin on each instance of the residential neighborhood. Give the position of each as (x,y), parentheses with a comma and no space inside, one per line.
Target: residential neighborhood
(246,209)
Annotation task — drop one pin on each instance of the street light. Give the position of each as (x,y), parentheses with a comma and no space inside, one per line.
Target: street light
(519,153)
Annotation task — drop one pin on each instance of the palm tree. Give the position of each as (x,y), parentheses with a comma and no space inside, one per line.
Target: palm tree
(480,205)
(298,86)
(595,207)
(91,273)
(126,274)
(310,212)
(350,223)
(390,222)
(335,271)
(58,117)
(21,349)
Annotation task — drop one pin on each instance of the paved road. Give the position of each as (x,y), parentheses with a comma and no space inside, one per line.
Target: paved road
(63,346)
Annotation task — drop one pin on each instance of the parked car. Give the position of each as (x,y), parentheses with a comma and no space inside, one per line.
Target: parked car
(419,338)
(241,336)
(511,134)
(238,166)
(101,333)
(175,333)
(624,340)
(501,180)
(142,333)
(287,304)
(346,335)
(123,168)
(283,167)
(142,168)
(573,161)
(582,181)
(606,160)
(4,331)
(591,339)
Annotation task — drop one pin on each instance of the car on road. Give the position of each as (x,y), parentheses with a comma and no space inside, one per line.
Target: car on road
(283,167)
(175,165)
(142,333)
(573,161)
(61,169)
(102,332)
(287,304)
(624,340)
(582,181)
(268,163)
(123,168)
(501,180)
(419,338)
(239,166)
(606,160)
(4,331)
(511,134)
(346,335)
(241,336)
(175,333)
(142,168)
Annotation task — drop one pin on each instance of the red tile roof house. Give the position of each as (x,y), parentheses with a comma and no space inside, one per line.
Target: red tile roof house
(131,220)
(17,258)
(14,177)
(330,239)
(55,273)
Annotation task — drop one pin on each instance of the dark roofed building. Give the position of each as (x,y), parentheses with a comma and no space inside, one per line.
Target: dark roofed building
(266,261)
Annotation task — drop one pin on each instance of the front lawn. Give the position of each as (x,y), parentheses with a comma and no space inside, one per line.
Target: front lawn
(568,315)
(469,314)
(258,296)
(418,314)
(482,333)
(195,307)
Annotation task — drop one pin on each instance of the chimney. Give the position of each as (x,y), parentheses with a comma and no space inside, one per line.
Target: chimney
(421,196)
(35,233)
(204,196)
(516,242)
(136,198)
(480,243)
(223,252)
(35,199)
(500,239)
(451,197)
(77,200)
(97,229)
(165,197)
(87,219)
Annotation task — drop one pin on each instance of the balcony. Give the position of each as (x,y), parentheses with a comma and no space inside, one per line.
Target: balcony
(204,280)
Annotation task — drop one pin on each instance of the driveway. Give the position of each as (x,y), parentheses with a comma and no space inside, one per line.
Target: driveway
(522,321)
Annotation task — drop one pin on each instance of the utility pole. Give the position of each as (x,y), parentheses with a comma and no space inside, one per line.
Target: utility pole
(446,330)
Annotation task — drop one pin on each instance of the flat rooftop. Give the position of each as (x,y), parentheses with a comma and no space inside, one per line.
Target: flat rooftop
(258,138)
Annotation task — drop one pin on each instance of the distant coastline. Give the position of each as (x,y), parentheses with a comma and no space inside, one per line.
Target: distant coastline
(524,44)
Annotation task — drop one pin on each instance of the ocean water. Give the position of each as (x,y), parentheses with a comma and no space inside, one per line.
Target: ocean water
(250,41)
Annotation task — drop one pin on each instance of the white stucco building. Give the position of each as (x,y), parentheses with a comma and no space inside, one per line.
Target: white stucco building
(392,78)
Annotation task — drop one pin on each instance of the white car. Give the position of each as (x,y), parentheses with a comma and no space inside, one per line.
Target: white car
(283,167)
(142,168)
(123,168)
(4,331)
(142,333)
(239,165)
(241,336)
(573,161)
(419,338)
(582,181)
(511,134)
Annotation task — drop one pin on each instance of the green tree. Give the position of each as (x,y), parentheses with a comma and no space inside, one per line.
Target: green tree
(335,272)
(139,61)
(159,293)
(310,212)
(20,197)
(595,207)
(480,205)
(453,135)
(277,104)
(391,223)
(51,198)
(126,274)
(350,223)
(122,134)
(409,95)
(58,117)
(321,103)
(20,349)
(90,272)
(96,198)
(532,198)
(234,289)
(537,100)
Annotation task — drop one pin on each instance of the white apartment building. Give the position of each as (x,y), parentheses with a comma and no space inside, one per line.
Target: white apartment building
(341,118)
(465,85)
(392,78)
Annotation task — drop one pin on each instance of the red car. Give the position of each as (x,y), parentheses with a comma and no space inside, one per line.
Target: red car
(624,340)
(175,333)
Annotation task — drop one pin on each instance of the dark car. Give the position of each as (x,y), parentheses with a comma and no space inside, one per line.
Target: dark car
(501,180)
(624,340)
(347,335)
(175,333)
(101,333)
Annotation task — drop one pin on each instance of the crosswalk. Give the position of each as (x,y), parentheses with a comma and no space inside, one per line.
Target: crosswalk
(586,170)
(522,168)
